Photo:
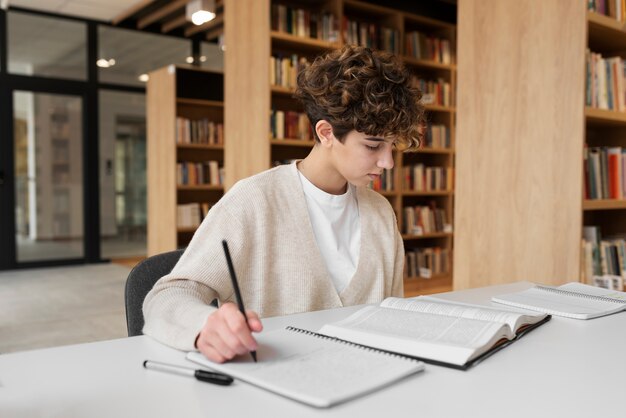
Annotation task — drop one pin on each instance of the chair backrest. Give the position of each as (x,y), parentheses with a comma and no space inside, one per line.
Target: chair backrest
(139,282)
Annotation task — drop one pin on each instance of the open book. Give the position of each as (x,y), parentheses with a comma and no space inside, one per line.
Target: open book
(571,300)
(313,368)
(434,330)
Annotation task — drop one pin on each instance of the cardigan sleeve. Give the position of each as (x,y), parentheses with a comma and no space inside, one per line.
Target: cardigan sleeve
(397,289)
(177,307)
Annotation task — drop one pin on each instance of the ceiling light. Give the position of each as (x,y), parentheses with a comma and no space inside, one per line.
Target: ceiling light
(104,63)
(189,60)
(202,58)
(144,78)
(200,11)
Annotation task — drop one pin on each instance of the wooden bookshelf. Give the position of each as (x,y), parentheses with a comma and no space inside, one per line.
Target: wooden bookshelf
(179,92)
(604,204)
(603,117)
(258,155)
(604,128)
(520,135)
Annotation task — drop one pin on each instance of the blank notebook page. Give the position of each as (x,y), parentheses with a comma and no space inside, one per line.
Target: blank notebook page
(314,369)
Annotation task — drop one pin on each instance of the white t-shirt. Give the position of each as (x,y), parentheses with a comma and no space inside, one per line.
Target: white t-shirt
(337,229)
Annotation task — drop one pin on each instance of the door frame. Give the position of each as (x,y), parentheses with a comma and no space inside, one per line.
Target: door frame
(90,206)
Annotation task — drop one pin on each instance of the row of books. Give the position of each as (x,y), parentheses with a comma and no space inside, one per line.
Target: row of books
(323,26)
(426,263)
(203,173)
(370,35)
(190,215)
(437,136)
(420,178)
(602,257)
(199,131)
(421,220)
(291,125)
(284,70)
(422,46)
(612,8)
(605,172)
(385,183)
(304,23)
(434,92)
(606,87)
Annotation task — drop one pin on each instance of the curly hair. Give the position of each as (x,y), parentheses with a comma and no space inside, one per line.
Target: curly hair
(355,88)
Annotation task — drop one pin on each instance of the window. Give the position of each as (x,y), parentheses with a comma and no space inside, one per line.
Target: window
(48,47)
(126,57)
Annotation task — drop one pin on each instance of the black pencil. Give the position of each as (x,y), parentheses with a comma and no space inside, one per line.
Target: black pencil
(233,278)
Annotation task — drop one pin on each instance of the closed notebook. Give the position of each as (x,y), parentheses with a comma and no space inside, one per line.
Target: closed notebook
(314,369)
(571,300)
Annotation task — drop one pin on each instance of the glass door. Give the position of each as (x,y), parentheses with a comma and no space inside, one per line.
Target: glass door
(48,176)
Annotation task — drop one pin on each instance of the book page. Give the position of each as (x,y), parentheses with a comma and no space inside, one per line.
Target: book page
(312,369)
(433,305)
(437,337)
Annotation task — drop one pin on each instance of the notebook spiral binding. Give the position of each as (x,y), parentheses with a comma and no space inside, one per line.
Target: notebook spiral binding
(580,295)
(339,340)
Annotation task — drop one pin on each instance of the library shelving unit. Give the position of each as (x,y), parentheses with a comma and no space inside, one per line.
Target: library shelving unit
(351,22)
(175,93)
(605,128)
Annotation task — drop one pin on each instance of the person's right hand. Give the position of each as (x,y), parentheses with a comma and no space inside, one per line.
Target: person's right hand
(226,334)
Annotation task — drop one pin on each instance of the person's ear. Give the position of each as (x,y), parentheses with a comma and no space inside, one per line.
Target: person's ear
(324,131)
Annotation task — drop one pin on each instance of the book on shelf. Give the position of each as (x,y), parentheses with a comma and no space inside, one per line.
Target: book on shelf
(425,219)
(190,215)
(285,69)
(422,178)
(571,300)
(602,257)
(370,35)
(605,84)
(304,23)
(437,136)
(426,47)
(385,182)
(605,172)
(611,8)
(314,369)
(433,330)
(203,173)
(608,281)
(290,124)
(199,131)
(426,262)
(434,92)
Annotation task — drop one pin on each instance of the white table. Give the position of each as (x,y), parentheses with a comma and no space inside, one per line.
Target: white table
(565,368)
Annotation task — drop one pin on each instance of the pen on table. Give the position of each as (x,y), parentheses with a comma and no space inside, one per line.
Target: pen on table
(203,375)
(233,277)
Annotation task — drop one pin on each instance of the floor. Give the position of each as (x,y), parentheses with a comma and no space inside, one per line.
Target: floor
(62,305)
(111,247)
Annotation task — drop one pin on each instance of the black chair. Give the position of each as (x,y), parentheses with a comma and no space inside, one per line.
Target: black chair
(139,282)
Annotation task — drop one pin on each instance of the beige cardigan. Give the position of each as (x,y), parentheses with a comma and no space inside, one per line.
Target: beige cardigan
(280,269)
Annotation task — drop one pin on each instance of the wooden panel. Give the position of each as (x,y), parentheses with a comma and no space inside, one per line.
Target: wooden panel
(161,108)
(518,206)
(247,96)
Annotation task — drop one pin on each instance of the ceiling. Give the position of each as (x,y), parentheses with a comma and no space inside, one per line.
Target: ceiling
(105,10)
(157,16)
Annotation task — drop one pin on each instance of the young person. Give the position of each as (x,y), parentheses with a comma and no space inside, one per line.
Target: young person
(305,236)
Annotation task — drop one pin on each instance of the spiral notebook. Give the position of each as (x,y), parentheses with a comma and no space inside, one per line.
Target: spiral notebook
(315,369)
(571,300)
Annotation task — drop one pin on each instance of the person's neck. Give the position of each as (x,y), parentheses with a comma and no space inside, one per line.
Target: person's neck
(318,170)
